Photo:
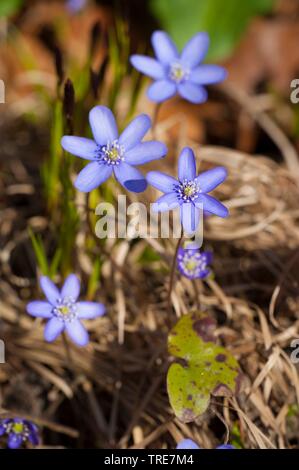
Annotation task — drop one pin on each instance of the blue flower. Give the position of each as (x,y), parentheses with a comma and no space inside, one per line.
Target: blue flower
(192,263)
(19,431)
(63,311)
(189,192)
(179,73)
(110,153)
(189,444)
(225,446)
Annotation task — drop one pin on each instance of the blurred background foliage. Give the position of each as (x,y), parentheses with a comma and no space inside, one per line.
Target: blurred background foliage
(225,21)
(9,7)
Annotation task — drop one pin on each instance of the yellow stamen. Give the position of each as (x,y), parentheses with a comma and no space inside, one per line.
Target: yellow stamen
(191,265)
(18,428)
(113,154)
(64,310)
(189,191)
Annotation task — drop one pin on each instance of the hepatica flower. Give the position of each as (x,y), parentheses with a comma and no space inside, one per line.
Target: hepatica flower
(189,444)
(63,311)
(110,152)
(189,192)
(179,73)
(18,432)
(193,263)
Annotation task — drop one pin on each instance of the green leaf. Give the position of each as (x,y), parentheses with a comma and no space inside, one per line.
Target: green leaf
(55,262)
(40,252)
(9,7)
(236,439)
(202,368)
(225,21)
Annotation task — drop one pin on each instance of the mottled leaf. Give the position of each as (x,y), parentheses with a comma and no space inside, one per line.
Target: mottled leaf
(201,369)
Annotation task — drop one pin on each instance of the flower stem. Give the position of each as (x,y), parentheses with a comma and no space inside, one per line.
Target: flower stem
(172,273)
(197,293)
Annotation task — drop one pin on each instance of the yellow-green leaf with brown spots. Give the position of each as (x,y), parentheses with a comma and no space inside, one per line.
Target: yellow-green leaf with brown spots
(201,367)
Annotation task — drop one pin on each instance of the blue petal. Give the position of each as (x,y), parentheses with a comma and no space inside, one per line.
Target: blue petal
(161,90)
(204,273)
(2,427)
(71,287)
(209,257)
(33,433)
(15,440)
(33,438)
(145,152)
(209,180)
(212,205)
(52,329)
(208,74)
(194,93)
(103,125)
(92,176)
(77,332)
(135,131)
(79,146)
(187,165)
(195,50)
(49,289)
(165,49)
(161,181)
(39,308)
(165,203)
(150,67)
(88,310)
(189,217)
(187,444)
(130,178)
(225,446)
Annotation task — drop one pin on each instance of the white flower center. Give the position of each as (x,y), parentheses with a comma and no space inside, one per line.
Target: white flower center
(192,264)
(65,309)
(178,73)
(17,428)
(111,154)
(187,190)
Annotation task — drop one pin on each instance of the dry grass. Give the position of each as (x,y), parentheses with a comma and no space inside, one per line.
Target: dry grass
(112,394)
